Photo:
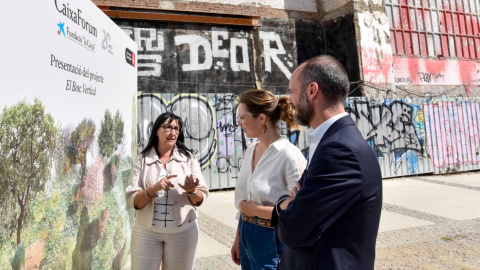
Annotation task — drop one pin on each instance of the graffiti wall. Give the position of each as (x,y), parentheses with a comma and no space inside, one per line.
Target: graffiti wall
(187,58)
(416,136)
(211,130)
(409,137)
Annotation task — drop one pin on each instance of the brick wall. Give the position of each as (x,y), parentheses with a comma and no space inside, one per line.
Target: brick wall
(263,11)
(128,3)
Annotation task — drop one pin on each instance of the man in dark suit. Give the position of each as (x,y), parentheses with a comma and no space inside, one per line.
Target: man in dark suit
(330,221)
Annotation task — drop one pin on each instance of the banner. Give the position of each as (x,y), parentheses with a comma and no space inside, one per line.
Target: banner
(67,136)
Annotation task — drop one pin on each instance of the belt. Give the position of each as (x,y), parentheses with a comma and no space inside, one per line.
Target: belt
(267,223)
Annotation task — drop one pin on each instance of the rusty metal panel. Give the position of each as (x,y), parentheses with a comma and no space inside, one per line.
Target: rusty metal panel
(435,28)
(452,134)
(416,136)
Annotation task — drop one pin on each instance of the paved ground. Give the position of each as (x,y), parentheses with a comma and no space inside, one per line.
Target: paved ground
(428,222)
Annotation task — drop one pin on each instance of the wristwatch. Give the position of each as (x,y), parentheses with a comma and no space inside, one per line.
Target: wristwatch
(192,193)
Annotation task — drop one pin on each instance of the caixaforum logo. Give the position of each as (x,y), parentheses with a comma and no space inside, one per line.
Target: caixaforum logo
(130,57)
(75,15)
(61,28)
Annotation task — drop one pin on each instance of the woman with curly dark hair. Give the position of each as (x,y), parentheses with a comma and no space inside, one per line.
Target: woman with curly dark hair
(166,186)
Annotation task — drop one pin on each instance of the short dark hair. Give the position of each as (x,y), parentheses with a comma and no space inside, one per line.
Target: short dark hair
(329,74)
(153,139)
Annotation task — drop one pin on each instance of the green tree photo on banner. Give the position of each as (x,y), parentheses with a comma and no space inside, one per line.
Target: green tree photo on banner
(117,120)
(111,133)
(106,138)
(82,138)
(27,143)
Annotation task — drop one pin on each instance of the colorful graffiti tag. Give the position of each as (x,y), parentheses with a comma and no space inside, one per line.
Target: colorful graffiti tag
(210,130)
(411,136)
(420,135)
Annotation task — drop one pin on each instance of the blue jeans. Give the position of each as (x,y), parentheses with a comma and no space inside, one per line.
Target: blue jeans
(259,246)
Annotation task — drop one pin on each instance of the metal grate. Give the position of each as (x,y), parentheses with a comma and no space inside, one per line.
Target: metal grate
(437,28)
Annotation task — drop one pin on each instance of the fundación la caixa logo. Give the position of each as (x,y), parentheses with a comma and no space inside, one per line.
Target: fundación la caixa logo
(61,28)
(79,29)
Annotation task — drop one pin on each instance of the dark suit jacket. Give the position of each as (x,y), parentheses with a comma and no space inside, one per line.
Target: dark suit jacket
(333,221)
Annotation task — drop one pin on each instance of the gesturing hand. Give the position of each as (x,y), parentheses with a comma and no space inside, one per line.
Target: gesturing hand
(164,183)
(190,185)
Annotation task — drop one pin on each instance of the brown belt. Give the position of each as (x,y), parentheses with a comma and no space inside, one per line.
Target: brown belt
(267,223)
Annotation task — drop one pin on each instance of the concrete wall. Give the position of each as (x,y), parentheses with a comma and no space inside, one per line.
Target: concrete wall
(375,53)
(418,48)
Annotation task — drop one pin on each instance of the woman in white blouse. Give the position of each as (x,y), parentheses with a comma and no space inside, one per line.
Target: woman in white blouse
(166,186)
(270,168)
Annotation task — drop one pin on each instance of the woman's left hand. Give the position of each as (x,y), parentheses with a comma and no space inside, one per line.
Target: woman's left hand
(248,207)
(190,185)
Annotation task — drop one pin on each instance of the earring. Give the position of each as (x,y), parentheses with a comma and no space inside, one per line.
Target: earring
(265,128)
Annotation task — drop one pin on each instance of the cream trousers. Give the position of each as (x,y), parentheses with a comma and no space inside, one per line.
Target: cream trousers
(171,250)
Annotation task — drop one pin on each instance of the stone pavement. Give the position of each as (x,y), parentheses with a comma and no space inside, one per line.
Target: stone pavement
(415,209)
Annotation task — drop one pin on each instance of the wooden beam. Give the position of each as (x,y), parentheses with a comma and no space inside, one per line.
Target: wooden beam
(146,14)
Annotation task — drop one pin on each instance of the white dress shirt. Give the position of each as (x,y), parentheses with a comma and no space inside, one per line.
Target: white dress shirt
(316,135)
(280,166)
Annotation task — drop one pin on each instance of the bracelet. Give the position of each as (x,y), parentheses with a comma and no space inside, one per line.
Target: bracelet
(148,195)
(192,193)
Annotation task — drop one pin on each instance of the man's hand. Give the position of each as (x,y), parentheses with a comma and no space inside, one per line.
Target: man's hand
(284,204)
(295,189)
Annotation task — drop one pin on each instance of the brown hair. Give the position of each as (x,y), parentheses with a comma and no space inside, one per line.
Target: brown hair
(260,101)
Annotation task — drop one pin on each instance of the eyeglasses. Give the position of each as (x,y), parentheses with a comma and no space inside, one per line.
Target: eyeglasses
(242,117)
(169,128)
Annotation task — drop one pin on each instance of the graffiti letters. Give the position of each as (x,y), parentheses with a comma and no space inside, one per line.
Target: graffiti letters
(390,129)
(407,137)
(150,43)
(406,80)
(194,43)
(210,129)
(430,77)
(272,54)
(207,50)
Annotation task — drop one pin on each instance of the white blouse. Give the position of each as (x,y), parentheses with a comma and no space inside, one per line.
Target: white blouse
(280,166)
